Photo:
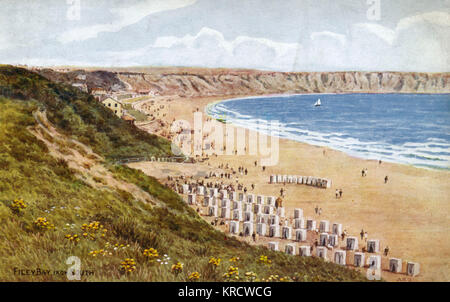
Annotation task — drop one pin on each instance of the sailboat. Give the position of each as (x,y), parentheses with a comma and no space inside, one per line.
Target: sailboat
(318,103)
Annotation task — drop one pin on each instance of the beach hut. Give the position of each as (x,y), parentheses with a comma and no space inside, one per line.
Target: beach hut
(260,218)
(237,205)
(300,180)
(237,215)
(310,224)
(271,201)
(223,194)
(273,179)
(323,239)
(206,201)
(281,212)
(324,226)
(299,223)
(273,246)
(248,216)
(374,261)
(212,211)
(289,179)
(274,230)
(261,229)
(225,212)
(412,268)
(321,252)
(274,219)
(248,228)
(247,207)
(339,257)
(257,209)
(333,240)
(286,232)
(395,265)
(185,189)
(337,229)
(225,203)
(251,198)
(279,178)
(232,195)
(201,190)
(234,227)
(268,210)
(260,199)
(352,243)
(241,196)
(290,248)
(358,259)
(304,250)
(298,213)
(300,235)
(191,199)
(373,246)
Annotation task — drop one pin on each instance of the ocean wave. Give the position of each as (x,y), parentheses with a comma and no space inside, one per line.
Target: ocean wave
(430,153)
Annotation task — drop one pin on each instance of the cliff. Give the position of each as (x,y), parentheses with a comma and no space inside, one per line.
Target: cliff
(231,82)
(188,82)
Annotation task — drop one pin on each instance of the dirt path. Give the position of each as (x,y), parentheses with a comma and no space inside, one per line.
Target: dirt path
(83,160)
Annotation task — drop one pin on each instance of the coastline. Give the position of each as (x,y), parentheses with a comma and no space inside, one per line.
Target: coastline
(409,214)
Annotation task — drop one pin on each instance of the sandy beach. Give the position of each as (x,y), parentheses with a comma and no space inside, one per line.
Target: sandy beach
(409,213)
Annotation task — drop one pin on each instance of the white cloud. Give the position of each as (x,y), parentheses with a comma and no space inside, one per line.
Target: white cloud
(418,43)
(328,35)
(209,48)
(437,18)
(125,16)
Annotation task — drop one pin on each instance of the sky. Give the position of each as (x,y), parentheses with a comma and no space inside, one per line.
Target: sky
(282,35)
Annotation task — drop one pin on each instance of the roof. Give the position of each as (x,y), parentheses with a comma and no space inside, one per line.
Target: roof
(128,118)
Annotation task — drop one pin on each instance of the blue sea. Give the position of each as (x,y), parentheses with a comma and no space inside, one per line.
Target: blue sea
(403,128)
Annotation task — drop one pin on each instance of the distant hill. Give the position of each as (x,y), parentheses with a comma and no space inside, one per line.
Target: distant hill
(216,82)
(61,196)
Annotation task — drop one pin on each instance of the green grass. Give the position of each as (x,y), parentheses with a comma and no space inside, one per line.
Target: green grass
(139,116)
(80,116)
(51,189)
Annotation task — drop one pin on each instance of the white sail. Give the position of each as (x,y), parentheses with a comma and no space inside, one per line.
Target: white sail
(318,103)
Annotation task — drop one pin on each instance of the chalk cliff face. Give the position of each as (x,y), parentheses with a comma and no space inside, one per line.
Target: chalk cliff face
(258,82)
(189,82)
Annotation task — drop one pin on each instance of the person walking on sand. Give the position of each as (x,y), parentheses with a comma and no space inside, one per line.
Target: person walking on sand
(316,209)
(337,193)
(340,193)
(366,236)
(362,234)
(246,171)
(386,179)
(386,250)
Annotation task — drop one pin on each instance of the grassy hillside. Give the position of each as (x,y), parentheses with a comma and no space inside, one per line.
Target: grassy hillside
(79,115)
(63,216)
